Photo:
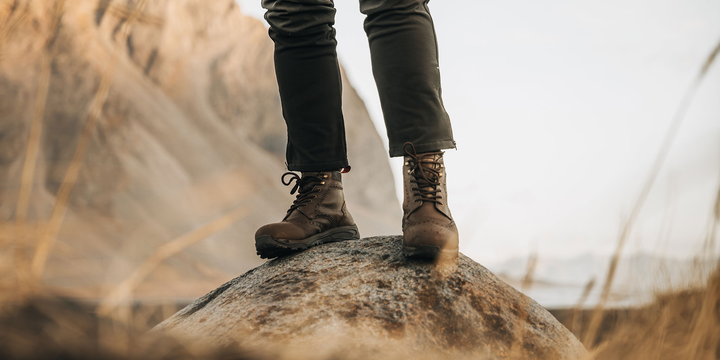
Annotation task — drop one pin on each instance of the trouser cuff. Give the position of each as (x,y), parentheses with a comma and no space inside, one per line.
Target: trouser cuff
(396,151)
(329,166)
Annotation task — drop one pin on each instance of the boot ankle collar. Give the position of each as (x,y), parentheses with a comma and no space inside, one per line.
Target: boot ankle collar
(334,175)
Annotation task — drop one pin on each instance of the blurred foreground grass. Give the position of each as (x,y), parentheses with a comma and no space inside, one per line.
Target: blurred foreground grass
(38,323)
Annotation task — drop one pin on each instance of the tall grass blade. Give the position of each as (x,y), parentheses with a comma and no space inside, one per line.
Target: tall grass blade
(9,21)
(574,326)
(529,272)
(704,328)
(711,235)
(71,174)
(124,290)
(33,147)
(640,201)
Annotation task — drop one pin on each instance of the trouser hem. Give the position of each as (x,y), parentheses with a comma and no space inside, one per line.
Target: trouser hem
(334,165)
(397,151)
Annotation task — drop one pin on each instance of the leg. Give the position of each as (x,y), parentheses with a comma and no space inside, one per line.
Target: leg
(405,65)
(310,86)
(309,81)
(406,69)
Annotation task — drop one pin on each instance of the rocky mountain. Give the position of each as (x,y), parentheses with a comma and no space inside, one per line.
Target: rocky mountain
(191,129)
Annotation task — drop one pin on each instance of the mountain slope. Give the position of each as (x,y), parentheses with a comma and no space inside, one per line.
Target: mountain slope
(191,130)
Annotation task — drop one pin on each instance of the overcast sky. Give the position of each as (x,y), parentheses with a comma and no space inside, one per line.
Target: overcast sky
(559,108)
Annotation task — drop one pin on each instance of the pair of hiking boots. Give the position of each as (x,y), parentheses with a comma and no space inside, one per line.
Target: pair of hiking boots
(319,214)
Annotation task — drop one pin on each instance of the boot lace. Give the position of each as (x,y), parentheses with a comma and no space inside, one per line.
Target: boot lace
(304,186)
(426,173)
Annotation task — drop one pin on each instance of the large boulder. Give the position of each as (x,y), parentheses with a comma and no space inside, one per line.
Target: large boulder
(361,299)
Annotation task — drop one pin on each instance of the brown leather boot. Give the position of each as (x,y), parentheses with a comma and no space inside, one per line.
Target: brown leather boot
(429,230)
(318,215)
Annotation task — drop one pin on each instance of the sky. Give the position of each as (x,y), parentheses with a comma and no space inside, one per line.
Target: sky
(559,109)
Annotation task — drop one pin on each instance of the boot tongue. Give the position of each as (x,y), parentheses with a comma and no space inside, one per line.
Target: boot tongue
(308,186)
(432,176)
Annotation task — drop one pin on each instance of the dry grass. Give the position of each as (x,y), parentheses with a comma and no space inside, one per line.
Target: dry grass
(9,21)
(122,293)
(47,241)
(33,147)
(680,325)
(684,324)
(647,187)
(529,272)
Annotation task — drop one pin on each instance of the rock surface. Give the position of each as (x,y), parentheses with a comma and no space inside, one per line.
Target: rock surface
(191,130)
(364,299)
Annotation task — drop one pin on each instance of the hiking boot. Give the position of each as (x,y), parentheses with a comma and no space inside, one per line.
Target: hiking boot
(429,230)
(318,215)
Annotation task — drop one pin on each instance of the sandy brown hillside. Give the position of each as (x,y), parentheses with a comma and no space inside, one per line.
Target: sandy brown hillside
(190,131)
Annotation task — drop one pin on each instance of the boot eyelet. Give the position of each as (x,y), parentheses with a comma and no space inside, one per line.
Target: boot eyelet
(322,183)
(325,176)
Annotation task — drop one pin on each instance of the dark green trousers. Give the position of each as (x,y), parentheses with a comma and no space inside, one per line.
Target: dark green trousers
(404,55)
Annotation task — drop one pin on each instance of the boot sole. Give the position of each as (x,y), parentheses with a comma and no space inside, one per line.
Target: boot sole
(268,247)
(430,252)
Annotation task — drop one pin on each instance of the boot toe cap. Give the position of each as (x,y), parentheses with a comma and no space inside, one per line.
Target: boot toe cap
(431,233)
(282,231)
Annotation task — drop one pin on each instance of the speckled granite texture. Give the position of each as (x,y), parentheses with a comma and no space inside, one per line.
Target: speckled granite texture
(364,298)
